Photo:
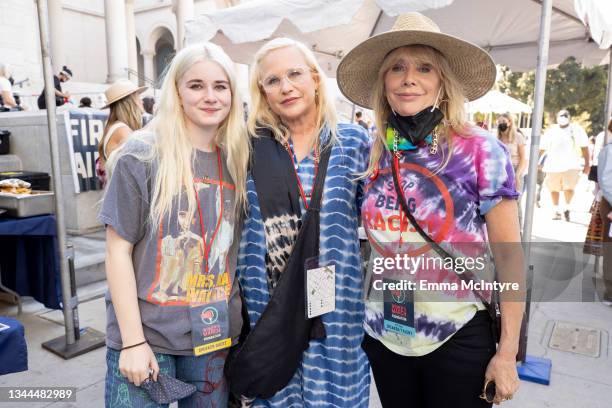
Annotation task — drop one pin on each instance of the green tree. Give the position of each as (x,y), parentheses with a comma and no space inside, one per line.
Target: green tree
(571,85)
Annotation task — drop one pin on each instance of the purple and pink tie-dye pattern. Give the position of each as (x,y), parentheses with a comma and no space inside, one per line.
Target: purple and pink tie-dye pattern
(450,205)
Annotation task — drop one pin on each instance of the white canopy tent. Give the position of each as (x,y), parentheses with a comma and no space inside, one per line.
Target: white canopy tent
(498,102)
(330,28)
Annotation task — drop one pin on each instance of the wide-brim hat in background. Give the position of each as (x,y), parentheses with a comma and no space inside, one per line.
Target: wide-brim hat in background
(473,67)
(121,89)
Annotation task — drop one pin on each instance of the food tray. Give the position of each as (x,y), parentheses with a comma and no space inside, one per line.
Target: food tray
(27,205)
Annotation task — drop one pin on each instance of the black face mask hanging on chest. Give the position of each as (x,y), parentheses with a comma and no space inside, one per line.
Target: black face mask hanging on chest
(417,127)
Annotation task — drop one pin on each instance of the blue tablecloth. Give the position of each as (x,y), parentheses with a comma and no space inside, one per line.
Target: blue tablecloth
(29,258)
(13,348)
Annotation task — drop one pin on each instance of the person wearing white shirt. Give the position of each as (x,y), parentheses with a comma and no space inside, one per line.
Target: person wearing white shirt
(6,89)
(563,144)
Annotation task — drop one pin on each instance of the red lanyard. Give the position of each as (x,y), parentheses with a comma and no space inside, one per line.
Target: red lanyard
(208,246)
(316,164)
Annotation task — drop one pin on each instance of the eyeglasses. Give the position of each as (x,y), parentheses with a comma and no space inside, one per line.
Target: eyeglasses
(295,76)
(564,115)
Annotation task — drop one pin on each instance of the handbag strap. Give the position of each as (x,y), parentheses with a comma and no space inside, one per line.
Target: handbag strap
(467,276)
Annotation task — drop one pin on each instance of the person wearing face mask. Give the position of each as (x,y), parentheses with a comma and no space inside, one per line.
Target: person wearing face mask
(515,142)
(564,144)
(434,177)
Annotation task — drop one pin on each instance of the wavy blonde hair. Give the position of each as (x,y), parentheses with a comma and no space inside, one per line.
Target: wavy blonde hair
(451,102)
(261,116)
(124,110)
(171,146)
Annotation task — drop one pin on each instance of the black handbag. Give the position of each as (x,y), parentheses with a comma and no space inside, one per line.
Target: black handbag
(268,355)
(467,276)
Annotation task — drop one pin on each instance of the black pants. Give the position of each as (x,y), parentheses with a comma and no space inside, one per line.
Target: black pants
(450,377)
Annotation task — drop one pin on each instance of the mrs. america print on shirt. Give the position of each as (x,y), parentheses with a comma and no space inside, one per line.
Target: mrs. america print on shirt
(181,277)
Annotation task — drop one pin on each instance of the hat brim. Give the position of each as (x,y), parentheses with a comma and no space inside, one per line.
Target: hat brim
(357,72)
(140,89)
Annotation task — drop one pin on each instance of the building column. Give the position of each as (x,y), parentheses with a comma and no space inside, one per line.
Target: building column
(116,34)
(184,11)
(149,66)
(131,40)
(56,35)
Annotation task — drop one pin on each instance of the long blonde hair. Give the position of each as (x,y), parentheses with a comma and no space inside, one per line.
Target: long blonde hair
(451,102)
(261,116)
(124,110)
(512,132)
(171,146)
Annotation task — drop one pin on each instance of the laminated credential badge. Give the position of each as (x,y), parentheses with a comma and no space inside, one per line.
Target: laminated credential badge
(320,288)
(210,327)
(398,309)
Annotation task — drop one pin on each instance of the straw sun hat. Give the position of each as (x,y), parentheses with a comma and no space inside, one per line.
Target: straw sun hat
(119,90)
(472,66)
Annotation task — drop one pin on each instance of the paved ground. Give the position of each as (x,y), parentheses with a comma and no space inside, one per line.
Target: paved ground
(576,381)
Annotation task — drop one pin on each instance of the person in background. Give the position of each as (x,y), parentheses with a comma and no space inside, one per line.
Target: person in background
(60,96)
(514,140)
(6,87)
(85,102)
(360,121)
(148,103)
(561,144)
(604,177)
(125,117)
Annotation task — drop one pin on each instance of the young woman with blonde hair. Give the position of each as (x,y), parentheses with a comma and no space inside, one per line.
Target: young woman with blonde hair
(301,225)
(124,118)
(172,210)
(438,191)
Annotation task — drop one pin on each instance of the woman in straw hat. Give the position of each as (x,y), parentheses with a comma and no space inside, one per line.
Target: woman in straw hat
(297,141)
(126,109)
(125,117)
(171,207)
(456,186)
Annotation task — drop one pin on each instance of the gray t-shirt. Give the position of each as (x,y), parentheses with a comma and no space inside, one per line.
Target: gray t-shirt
(168,261)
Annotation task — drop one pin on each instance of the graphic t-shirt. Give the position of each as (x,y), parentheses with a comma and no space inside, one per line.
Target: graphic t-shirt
(449,205)
(169,260)
(562,146)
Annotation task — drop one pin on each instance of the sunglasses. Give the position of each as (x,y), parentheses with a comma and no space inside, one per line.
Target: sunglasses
(564,115)
(488,392)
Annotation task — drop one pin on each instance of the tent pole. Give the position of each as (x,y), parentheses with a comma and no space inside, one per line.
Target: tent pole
(537,118)
(608,106)
(55,169)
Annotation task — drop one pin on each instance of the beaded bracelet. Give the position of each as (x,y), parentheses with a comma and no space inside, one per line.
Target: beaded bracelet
(133,345)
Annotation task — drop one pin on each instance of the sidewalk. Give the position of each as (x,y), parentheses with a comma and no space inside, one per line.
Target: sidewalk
(576,380)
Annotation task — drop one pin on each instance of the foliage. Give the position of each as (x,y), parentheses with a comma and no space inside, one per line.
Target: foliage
(579,89)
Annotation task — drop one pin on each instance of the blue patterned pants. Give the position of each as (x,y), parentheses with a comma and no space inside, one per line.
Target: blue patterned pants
(205,372)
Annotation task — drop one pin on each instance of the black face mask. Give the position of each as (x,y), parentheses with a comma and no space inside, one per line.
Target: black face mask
(417,127)
(502,127)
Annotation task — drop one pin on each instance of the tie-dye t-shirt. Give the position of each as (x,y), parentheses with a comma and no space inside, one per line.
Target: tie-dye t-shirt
(450,205)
